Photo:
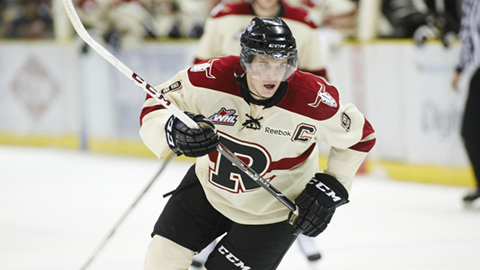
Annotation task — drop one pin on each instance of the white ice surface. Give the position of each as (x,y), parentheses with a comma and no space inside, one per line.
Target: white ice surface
(57,205)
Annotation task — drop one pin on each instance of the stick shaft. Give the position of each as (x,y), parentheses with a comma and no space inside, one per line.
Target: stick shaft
(154,93)
(256,177)
(125,214)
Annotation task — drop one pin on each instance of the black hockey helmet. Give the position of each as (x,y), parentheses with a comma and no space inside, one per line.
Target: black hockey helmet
(270,38)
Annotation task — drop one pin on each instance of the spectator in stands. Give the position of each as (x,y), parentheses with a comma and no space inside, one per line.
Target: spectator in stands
(166,18)
(130,21)
(127,23)
(337,15)
(337,20)
(29,19)
(119,23)
(421,19)
(193,14)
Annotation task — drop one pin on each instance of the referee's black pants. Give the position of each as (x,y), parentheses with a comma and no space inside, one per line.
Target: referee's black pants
(470,130)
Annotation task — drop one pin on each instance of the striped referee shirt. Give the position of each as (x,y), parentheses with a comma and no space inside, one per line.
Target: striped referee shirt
(469,35)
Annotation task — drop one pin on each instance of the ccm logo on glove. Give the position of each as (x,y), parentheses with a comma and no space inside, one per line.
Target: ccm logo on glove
(325,189)
(317,203)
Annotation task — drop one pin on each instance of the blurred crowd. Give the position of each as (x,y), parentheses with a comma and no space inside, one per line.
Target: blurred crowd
(422,19)
(29,19)
(123,23)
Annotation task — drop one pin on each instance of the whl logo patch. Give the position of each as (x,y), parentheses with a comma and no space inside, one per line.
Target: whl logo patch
(224,117)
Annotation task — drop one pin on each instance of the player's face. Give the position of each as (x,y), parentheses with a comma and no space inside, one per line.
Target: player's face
(264,76)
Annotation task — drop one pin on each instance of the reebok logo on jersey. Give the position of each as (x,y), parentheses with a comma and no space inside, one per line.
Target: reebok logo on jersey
(232,258)
(277,131)
(224,117)
(323,97)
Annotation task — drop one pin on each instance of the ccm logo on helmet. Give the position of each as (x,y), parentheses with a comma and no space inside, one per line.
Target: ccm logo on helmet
(277,46)
(232,258)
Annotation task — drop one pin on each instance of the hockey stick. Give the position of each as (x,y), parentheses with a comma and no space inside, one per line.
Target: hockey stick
(82,32)
(155,94)
(258,178)
(105,240)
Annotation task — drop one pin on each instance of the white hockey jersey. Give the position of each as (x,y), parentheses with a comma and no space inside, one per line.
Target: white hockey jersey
(278,142)
(228,21)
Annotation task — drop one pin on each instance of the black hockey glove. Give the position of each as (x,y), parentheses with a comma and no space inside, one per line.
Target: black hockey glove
(317,203)
(188,141)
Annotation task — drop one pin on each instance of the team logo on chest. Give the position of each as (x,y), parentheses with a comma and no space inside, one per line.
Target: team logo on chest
(323,97)
(224,117)
(252,122)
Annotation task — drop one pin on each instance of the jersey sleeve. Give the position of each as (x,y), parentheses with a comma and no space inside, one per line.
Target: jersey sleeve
(351,137)
(153,117)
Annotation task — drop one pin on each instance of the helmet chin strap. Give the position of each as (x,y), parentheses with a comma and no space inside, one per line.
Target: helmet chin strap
(240,79)
(260,97)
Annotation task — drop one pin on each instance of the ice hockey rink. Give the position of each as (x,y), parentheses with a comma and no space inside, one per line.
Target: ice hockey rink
(58,205)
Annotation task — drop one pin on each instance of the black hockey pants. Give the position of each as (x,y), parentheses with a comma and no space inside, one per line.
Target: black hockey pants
(190,220)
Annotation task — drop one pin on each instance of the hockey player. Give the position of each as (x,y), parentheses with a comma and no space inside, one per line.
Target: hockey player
(272,117)
(221,35)
(469,54)
(228,20)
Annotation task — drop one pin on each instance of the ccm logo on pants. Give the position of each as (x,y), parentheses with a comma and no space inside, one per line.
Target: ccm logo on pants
(232,258)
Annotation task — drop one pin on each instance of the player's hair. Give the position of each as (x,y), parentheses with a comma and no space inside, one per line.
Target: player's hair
(270,38)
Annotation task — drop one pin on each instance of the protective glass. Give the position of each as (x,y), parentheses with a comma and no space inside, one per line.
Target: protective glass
(274,66)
